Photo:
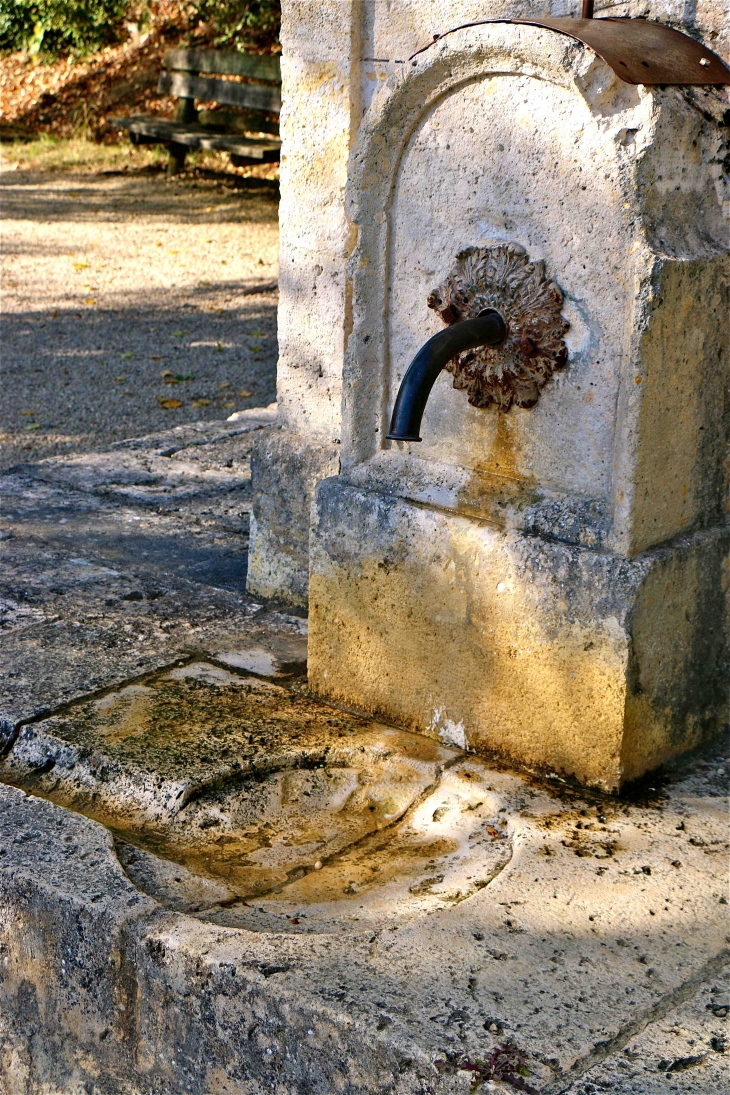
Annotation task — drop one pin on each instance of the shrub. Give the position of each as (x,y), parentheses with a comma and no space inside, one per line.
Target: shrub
(82,26)
(57,26)
(240,22)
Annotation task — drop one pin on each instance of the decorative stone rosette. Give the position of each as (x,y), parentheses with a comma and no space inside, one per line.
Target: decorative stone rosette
(503,277)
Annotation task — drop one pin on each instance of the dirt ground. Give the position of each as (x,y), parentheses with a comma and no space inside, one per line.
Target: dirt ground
(132,302)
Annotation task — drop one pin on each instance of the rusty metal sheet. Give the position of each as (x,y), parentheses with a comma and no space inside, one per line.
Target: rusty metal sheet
(638,51)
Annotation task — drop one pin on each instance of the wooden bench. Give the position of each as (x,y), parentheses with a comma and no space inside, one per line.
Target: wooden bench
(190,74)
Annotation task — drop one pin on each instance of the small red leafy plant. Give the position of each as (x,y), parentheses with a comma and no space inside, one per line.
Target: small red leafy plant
(506,1063)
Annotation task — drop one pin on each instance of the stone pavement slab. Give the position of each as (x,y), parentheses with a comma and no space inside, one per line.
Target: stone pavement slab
(103,579)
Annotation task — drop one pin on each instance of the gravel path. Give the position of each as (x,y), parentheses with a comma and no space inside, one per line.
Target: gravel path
(111,280)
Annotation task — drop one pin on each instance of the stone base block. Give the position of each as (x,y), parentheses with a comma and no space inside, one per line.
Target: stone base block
(285,468)
(583,662)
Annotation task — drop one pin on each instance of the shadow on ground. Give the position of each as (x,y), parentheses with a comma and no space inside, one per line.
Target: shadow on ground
(180,199)
(132,304)
(74,381)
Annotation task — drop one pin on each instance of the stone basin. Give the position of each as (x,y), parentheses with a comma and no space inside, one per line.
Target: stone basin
(237,800)
(294,898)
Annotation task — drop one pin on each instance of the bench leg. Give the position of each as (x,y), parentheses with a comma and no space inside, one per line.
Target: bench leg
(185,111)
(176,161)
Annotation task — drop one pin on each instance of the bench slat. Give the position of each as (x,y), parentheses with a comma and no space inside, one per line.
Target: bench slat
(193,136)
(243,146)
(254,96)
(224,63)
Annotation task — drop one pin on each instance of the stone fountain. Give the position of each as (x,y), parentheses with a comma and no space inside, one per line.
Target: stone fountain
(541,575)
(498,479)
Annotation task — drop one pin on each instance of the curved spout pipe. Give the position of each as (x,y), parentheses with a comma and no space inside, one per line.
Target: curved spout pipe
(488,329)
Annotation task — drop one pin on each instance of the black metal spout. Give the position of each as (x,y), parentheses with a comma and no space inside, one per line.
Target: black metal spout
(488,329)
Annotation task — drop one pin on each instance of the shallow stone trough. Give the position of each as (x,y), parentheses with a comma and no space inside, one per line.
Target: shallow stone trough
(221,788)
(221,885)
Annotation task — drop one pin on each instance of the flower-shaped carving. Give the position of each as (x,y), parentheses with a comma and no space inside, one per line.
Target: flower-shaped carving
(504,277)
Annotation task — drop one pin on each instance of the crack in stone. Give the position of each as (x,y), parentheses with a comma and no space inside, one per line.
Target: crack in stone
(603,1050)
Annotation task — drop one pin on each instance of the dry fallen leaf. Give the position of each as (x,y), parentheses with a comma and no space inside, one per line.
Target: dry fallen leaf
(156,357)
(200,402)
(81,266)
(224,384)
(245,393)
(169,404)
(89,300)
(119,379)
(229,405)
(175,378)
(27,414)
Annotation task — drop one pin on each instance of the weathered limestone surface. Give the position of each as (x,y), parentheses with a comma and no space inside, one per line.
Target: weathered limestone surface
(579,661)
(320,115)
(443,594)
(284,472)
(596,926)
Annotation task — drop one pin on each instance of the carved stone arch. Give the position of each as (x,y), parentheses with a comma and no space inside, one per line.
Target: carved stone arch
(471,54)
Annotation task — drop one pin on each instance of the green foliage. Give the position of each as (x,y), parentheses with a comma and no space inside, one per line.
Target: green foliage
(58,26)
(239,22)
(54,27)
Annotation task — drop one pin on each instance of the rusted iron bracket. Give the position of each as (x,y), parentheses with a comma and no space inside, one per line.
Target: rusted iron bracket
(638,51)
